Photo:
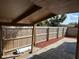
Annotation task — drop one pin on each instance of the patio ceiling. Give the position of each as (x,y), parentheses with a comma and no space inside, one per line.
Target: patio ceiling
(29,12)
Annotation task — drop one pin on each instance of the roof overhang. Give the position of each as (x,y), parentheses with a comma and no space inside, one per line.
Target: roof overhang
(29,12)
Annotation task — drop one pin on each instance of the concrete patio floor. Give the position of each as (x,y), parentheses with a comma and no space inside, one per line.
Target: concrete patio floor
(62,49)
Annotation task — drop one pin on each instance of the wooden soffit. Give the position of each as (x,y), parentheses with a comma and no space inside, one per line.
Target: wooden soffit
(59,6)
(32,11)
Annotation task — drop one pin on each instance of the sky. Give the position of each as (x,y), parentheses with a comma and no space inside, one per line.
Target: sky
(72,17)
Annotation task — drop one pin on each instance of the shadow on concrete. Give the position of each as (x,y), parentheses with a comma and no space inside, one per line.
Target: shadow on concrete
(64,51)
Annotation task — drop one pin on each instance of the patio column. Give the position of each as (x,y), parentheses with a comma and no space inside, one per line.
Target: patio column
(1,43)
(77,47)
(33,38)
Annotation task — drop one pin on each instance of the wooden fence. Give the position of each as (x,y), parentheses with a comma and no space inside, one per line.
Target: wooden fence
(18,37)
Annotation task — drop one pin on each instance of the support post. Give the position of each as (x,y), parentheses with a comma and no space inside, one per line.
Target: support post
(57,32)
(33,38)
(34,34)
(1,42)
(77,45)
(63,32)
(47,34)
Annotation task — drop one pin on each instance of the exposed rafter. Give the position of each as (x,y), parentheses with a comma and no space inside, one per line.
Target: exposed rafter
(38,15)
(14,24)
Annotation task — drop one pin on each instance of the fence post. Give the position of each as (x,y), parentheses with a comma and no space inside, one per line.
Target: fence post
(33,38)
(34,33)
(47,34)
(57,32)
(1,42)
(63,32)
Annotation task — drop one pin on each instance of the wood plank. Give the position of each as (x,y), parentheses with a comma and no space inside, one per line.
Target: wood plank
(18,38)
(13,24)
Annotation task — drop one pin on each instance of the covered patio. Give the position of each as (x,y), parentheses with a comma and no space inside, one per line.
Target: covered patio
(30,12)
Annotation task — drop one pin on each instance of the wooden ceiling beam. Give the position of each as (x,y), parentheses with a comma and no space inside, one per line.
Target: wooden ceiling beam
(13,24)
(38,15)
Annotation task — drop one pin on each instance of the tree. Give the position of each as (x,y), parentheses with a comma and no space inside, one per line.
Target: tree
(43,23)
(56,20)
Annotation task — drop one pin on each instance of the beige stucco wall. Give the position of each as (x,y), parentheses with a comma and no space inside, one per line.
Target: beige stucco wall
(71,32)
